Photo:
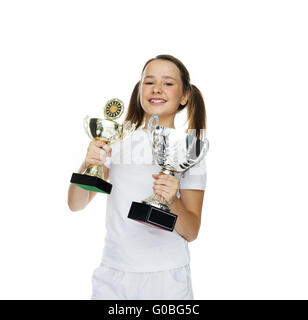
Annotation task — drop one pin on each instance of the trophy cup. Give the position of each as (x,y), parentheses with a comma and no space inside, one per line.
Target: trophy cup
(175,152)
(109,131)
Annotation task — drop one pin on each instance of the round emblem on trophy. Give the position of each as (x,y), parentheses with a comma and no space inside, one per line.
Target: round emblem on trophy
(113,109)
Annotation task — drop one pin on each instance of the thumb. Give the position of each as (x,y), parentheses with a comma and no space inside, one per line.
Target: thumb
(108,150)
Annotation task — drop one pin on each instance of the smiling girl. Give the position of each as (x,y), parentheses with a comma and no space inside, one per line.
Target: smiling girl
(139,261)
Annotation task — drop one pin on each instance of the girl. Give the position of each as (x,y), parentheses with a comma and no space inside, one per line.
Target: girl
(139,261)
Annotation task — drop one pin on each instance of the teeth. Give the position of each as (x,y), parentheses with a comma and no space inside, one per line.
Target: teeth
(157,101)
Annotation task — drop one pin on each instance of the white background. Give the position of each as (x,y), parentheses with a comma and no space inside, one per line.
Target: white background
(61,60)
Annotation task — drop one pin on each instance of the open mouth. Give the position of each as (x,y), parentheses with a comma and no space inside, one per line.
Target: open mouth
(157,102)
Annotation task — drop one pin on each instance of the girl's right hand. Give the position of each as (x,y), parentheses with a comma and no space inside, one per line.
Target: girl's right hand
(98,150)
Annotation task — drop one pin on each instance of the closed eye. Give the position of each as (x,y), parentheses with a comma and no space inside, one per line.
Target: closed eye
(168,84)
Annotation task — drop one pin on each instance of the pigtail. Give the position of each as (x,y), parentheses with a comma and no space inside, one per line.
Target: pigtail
(196,114)
(135,112)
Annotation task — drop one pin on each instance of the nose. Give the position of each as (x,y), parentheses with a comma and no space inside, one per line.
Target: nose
(156,89)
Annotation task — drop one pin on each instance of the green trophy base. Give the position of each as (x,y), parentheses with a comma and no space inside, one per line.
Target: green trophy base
(153,216)
(91,183)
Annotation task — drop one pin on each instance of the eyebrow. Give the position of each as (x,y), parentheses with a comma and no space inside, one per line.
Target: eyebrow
(165,77)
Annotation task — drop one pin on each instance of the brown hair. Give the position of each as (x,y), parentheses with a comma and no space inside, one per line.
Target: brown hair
(195,105)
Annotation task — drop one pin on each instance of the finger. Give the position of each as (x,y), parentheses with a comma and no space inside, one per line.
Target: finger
(96,156)
(158,192)
(167,177)
(99,143)
(163,195)
(94,162)
(155,176)
(107,148)
(93,148)
(172,183)
(94,152)
(172,178)
(97,146)
(102,155)
(163,176)
(162,188)
(169,184)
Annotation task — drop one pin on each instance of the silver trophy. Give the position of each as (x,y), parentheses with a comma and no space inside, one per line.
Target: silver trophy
(175,152)
(110,132)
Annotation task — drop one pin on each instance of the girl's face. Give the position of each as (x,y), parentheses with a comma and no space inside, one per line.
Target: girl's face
(161,91)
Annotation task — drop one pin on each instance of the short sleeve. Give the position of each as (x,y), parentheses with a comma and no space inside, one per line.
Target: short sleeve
(195,177)
(107,163)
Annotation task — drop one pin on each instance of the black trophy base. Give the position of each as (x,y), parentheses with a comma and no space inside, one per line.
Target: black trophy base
(91,183)
(148,214)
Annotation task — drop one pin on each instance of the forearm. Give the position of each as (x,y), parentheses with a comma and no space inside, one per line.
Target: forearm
(187,224)
(78,198)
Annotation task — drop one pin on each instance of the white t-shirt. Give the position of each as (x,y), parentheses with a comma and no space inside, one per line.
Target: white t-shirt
(130,245)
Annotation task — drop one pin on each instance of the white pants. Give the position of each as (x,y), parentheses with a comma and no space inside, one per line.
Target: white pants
(113,284)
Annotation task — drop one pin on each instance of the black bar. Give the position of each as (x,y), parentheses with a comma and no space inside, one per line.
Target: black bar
(91,181)
(156,217)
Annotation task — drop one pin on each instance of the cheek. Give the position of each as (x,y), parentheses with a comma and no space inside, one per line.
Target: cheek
(174,93)
(144,92)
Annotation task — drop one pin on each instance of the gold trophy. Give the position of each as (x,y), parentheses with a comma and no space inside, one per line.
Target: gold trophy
(110,132)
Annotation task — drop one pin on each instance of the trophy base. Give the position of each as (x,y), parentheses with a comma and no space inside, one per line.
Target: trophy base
(153,216)
(91,183)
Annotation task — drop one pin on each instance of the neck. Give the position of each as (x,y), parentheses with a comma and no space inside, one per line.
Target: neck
(167,122)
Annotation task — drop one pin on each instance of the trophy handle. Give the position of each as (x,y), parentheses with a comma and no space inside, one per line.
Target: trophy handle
(127,128)
(202,154)
(207,145)
(86,126)
(150,123)
(204,149)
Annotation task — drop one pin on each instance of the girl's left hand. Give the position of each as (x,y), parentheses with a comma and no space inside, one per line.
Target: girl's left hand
(166,186)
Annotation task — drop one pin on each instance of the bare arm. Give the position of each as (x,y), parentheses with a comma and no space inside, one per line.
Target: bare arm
(79,198)
(188,209)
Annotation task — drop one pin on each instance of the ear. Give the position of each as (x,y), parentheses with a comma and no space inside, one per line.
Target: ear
(185,98)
